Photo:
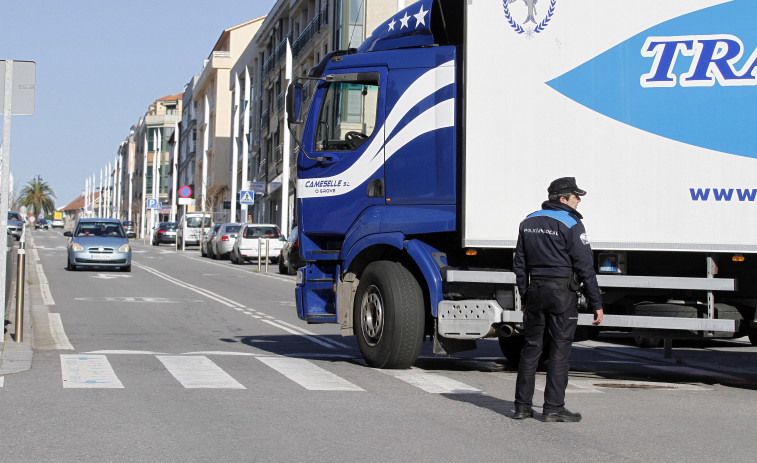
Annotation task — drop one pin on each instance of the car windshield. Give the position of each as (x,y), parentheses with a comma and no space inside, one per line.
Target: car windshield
(196,222)
(127,223)
(261,232)
(100,229)
(14,216)
(233,228)
(168,225)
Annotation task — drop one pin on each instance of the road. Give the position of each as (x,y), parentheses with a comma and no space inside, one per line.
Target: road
(190,359)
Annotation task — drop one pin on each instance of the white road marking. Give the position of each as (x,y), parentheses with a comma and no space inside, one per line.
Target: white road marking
(308,375)
(2,381)
(431,382)
(109,276)
(44,287)
(88,371)
(129,352)
(198,372)
(234,305)
(58,333)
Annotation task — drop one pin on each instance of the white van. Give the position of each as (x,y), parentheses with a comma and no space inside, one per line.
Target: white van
(191,227)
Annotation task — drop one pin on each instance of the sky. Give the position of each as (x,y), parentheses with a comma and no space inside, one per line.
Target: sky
(100,64)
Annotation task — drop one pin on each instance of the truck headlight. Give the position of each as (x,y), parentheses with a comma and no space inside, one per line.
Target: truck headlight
(124,248)
(76,247)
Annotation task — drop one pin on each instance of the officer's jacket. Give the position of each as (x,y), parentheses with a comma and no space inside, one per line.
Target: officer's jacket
(552,243)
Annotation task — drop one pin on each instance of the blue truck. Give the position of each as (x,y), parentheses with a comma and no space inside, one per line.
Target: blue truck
(422,150)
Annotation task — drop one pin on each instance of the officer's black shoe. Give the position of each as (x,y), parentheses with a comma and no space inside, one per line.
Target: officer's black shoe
(563,415)
(523,414)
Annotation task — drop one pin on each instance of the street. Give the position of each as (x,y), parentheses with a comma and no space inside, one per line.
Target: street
(190,359)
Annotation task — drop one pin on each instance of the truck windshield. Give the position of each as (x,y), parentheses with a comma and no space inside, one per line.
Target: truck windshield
(348,115)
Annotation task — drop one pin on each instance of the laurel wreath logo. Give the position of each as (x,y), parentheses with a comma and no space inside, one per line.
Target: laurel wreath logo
(539,27)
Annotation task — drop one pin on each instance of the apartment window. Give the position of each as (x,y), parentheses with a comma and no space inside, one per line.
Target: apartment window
(171,109)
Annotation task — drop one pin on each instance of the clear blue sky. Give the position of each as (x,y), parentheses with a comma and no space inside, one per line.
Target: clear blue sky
(100,63)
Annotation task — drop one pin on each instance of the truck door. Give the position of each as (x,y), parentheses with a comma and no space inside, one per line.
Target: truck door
(344,173)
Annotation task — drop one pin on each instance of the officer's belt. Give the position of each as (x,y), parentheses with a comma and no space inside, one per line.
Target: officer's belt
(563,281)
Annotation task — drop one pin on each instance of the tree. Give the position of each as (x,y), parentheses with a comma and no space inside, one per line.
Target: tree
(37,196)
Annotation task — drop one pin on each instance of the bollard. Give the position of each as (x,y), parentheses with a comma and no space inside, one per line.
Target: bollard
(260,252)
(267,253)
(20,288)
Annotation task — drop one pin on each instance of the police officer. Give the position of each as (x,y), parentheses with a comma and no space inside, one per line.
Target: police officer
(552,247)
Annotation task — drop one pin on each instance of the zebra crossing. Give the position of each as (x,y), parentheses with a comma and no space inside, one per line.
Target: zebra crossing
(196,370)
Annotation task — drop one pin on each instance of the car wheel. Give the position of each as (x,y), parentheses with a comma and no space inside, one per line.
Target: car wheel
(282,267)
(126,269)
(202,251)
(69,266)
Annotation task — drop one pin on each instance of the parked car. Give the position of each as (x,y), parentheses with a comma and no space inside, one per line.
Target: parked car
(191,227)
(224,240)
(165,232)
(205,248)
(290,259)
(15,224)
(246,245)
(128,226)
(99,243)
(41,224)
(58,223)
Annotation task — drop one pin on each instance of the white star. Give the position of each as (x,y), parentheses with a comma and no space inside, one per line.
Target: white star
(391,24)
(404,21)
(420,18)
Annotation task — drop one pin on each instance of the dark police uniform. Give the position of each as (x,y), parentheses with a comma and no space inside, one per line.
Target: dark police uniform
(552,244)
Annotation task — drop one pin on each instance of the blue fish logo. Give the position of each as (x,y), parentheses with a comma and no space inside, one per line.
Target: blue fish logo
(691,79)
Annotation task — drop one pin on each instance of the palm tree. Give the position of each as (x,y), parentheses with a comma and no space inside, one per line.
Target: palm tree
(37,196)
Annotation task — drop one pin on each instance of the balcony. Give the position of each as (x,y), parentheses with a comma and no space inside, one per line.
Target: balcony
(265,120)
(280,101)
(312,29)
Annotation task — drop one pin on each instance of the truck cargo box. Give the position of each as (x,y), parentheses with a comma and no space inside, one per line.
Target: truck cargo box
(649,104)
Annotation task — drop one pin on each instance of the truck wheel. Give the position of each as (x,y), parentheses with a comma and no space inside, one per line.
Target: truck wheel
(646,341)
(512,345)
(388,316)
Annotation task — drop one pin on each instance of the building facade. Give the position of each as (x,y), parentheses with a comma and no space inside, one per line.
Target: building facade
(312,28)
(151,160)
(211,95)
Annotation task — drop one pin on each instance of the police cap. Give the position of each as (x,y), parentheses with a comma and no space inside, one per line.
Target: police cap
(565,185)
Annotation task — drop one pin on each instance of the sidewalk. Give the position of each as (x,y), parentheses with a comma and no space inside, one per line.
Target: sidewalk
(16,357)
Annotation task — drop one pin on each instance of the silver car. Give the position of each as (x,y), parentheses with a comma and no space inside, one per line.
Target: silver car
(223,242)
(99,243)
(15,224)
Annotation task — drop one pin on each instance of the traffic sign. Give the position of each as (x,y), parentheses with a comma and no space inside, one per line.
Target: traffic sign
(257,187)
(153,203)
(185,191)
(246,197)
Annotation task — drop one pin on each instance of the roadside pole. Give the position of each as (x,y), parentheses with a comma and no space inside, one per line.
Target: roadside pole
(19,80)
(20,280)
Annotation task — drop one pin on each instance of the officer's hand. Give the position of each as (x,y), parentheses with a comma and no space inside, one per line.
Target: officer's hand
(598,315)
(523,307)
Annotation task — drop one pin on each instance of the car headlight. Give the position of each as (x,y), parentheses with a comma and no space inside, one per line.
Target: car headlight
(124,248)
(76,247)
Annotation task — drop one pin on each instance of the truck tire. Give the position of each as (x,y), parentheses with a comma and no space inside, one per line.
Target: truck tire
(388,316)
(722,312)
(512,345)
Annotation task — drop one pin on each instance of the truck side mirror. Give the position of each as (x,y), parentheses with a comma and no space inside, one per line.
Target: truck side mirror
(294,103)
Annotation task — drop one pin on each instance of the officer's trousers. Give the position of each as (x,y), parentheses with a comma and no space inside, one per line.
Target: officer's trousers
(552,306)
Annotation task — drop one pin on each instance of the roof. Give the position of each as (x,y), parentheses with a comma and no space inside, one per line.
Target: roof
(171,97)
(78,203)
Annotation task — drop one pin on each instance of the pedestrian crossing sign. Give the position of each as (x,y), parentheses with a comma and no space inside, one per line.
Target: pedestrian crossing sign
(246,197)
